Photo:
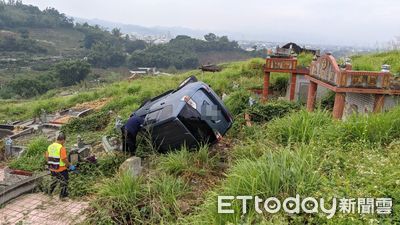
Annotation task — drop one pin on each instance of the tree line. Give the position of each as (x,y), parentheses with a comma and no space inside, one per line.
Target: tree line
(62,74)
(100,48)
(14,14)
(181,52)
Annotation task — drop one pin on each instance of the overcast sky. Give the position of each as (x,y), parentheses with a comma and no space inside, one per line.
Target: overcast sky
(308,21)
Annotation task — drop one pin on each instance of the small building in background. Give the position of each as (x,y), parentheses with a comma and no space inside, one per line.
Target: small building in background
(297,49)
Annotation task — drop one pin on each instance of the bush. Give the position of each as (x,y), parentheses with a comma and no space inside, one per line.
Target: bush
(94,122)
(134,89)
(328,101)
(272,109)
(280,84)
(304,59)
(253,68)
(72,71)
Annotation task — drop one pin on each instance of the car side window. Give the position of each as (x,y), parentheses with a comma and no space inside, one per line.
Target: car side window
(152,117)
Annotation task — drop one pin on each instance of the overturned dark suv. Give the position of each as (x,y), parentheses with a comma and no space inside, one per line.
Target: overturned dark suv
(190,115)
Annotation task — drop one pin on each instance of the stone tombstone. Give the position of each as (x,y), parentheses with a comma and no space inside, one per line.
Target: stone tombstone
(132,165)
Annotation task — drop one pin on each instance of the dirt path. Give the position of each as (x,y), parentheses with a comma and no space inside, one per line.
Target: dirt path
(40,209)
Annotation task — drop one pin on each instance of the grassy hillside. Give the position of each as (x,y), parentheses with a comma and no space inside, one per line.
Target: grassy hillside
(288,151)
(373,62)
(64,40)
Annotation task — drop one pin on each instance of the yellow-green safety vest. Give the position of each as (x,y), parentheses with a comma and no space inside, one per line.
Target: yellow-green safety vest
(54,156)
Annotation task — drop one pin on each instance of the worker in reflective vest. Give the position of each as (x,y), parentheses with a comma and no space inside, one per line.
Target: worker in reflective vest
(57,160)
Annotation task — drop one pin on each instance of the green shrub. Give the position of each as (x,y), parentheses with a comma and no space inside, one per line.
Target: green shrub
(304,59)
(280,84)
(94,122)
(272,109)
(122,102)
(253,68)
(284,172)
(83,183)
(83,97)
(253,144)
(43,106)
(328,101)
(130,200)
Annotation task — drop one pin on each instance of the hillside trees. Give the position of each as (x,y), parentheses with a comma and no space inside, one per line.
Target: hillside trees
(107,49)
(14,14)
(104,54)
(210,37)
(62,74)
(131,46)
(27,87)
(71,72)
(181,52)
(13,43)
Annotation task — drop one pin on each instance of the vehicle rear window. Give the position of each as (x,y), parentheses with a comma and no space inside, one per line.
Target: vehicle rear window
(191,118)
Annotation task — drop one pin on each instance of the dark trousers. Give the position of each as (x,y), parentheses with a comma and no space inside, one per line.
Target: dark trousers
(128,142)
(62,179)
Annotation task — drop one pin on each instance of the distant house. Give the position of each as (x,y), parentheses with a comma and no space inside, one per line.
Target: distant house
(297,49)
(144,71)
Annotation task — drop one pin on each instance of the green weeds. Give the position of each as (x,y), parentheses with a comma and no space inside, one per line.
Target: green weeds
(33,159)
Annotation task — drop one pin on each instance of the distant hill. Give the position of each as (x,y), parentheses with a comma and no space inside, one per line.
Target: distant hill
(35,43)
(25,31)
(142,30)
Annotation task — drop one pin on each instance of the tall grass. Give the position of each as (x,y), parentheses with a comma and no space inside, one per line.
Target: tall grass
(373,62)
(84,183)
(299,127)
(118,201)
(165,192)
(186,163)
(125,199)
(280,174)
(33,159)
(374,129)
